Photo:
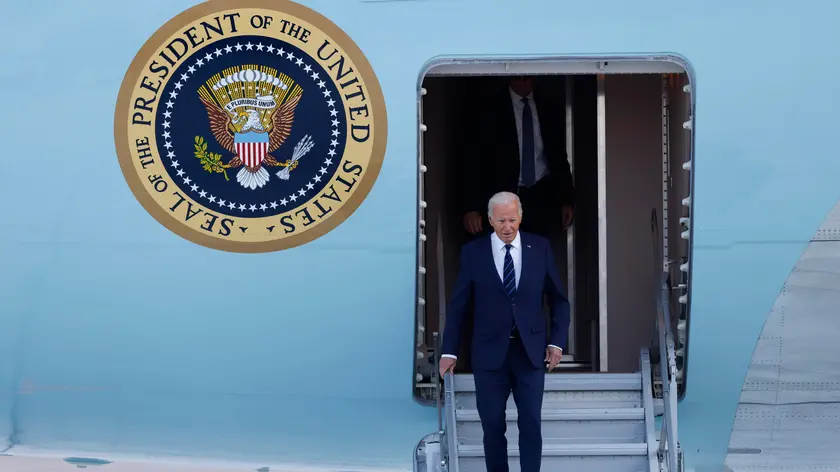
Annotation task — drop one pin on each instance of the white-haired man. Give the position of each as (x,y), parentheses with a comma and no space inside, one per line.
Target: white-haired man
(506,276)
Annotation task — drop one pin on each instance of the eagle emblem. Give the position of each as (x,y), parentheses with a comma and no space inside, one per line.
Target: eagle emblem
(251,113)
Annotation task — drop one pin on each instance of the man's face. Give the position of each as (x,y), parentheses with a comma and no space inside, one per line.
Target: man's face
(522,84)
(505,221)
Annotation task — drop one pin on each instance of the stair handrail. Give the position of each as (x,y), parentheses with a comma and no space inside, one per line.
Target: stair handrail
(668,445)
(436,380)
(441,295)
(668,369)
(446,412)
(441,432)
(451,432)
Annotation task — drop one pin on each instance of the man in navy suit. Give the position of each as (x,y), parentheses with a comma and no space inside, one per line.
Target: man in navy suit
(506,276)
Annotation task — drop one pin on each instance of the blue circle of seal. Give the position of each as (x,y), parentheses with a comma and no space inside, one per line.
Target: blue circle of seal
(319,117)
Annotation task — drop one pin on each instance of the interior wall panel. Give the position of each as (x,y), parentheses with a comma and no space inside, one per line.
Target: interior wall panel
(634,187)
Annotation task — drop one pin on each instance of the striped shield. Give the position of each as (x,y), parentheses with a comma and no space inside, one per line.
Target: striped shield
(251,147)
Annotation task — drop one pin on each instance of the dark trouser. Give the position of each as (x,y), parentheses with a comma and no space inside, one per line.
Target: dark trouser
(492,389)
(542,212)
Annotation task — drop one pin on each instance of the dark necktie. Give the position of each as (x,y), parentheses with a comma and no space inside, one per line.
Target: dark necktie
(528,171)
(509,274)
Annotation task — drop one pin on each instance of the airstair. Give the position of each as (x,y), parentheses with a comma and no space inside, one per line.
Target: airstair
(591,422)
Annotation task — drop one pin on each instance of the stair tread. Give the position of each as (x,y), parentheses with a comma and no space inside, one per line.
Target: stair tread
(465,383)
(548,450)
(565,414)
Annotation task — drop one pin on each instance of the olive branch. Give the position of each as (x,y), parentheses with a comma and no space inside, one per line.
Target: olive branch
(210,161)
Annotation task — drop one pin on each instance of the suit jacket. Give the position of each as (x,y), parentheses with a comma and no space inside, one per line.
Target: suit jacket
(479,281)
(492,159)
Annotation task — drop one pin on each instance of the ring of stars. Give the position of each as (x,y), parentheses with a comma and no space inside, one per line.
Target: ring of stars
(262,206)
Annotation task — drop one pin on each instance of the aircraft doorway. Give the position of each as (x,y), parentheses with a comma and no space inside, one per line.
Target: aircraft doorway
(626,144)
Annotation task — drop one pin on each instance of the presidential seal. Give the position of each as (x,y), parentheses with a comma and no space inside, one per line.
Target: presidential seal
(250,125)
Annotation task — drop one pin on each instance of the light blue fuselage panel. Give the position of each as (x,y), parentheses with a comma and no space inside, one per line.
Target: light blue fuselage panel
(118,336)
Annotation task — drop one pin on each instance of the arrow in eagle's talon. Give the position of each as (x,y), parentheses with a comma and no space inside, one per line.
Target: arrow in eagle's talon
(301,149)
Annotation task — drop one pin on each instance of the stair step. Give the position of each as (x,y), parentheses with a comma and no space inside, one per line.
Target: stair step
(571,414)
(577,457)
(565,400)
(568,400)
(560,450)
(554,432)
(569,426)
(570,382)
(568,463)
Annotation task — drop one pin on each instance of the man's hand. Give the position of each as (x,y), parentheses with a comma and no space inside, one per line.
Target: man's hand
(447,364)
(472,222)
(552,357)
(568,213)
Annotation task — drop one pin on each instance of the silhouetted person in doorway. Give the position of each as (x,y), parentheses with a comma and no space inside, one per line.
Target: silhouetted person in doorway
(520,148)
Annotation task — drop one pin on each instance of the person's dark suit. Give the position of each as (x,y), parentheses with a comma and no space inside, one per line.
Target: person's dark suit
(493,161)
(509,339)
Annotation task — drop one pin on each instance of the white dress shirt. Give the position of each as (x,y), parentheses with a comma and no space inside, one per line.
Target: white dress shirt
(540,165)
(499,256)
(499,259)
